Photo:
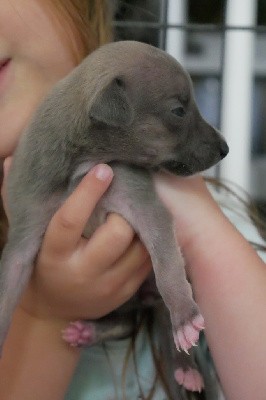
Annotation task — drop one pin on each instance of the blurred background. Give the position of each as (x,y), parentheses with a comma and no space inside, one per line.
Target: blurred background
(222,43)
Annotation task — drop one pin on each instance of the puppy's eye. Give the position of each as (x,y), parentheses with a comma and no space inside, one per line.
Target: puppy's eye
(179,111)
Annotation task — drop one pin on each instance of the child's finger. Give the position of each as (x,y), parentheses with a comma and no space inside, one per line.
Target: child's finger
(114,236)
(68,223)
(138,276)
(122,288)
(129,263)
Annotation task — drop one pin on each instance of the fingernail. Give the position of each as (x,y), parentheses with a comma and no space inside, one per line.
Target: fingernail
(102,171)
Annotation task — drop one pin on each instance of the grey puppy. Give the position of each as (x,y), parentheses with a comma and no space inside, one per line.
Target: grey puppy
(130,105)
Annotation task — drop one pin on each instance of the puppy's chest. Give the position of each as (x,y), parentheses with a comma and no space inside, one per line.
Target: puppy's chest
(125,196)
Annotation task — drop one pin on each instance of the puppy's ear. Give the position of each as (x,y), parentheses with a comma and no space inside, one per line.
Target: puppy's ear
(112,105)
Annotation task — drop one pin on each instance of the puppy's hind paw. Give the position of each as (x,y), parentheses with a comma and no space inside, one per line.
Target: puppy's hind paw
(188,334)
(79,333)
(190,379)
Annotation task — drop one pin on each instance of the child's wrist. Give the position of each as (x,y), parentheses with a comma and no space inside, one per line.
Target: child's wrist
(29,334)
(35,352)
(48,322)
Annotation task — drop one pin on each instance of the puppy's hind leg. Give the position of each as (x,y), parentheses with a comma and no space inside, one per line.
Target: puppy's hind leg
(186,372)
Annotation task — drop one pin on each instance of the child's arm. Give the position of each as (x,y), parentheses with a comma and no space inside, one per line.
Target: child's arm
(74,278)
(36,364)
(229,282)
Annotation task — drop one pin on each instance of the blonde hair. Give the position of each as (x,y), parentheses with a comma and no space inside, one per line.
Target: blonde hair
(86,23)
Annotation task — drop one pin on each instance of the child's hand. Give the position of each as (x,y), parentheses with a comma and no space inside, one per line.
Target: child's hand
(76,278)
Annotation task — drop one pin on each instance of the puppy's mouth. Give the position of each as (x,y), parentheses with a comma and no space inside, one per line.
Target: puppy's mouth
(177,168)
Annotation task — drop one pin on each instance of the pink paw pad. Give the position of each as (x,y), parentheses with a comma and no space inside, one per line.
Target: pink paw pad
(79,334)
(188,334)
(190,379)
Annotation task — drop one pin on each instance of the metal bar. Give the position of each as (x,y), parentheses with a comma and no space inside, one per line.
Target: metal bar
(191,26)
(163,20)
(236,110)
(175,37)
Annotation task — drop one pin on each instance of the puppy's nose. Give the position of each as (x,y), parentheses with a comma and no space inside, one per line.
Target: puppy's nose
(224,149)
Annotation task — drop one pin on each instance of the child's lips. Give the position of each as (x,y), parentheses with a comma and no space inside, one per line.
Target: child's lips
(4,68)
(4,64)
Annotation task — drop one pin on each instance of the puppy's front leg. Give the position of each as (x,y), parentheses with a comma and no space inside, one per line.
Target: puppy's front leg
(155,228)
(133,196)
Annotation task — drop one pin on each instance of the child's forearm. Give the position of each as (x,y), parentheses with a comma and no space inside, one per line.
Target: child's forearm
(36,364)
(229,283)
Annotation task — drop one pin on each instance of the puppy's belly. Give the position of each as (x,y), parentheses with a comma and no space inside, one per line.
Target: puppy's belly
(112,202)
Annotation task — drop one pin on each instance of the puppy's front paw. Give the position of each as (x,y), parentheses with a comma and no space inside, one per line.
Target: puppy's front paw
(80,333)
(190,379)
(188,334)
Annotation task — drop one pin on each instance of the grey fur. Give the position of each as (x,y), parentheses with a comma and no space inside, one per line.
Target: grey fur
(116,107)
